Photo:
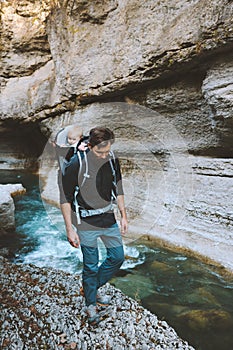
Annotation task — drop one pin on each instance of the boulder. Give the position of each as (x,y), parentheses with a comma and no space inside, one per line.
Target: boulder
(7,207)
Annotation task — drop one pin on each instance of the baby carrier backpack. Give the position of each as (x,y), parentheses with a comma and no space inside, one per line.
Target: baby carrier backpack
(64,151)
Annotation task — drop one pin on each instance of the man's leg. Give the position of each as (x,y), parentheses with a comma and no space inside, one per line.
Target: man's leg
(115,255)
(88,241)
(110,266)
(90,273)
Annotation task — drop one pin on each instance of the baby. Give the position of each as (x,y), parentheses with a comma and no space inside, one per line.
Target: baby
(67,142)
(74,135)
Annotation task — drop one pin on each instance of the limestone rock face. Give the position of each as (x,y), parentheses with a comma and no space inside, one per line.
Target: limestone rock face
(23,97)
(100,48)
(24,44)
(184,105)
(218,91)
(7,207)
(26,67)
(131,41)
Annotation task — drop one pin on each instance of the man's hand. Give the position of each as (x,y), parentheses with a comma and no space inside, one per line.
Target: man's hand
(123,222)
(72,235)
(124,226)
(73,238)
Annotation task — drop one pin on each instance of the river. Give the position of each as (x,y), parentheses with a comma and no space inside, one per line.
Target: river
(193,297)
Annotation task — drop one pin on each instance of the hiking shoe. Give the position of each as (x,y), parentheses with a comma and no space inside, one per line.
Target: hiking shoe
(103,300)
(92,315)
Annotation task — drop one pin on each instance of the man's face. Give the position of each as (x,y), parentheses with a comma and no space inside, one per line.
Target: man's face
(101,152)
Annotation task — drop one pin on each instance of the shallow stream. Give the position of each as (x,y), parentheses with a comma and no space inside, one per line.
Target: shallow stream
(193,297)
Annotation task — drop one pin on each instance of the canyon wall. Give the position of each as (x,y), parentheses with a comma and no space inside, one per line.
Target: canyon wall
(159,73)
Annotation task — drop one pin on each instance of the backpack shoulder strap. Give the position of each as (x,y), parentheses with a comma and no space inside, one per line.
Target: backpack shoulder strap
(83,155)
(112,162)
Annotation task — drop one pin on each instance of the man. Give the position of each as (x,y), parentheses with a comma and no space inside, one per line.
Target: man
(99,180)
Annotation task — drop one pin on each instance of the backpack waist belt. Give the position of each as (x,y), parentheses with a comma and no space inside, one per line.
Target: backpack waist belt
(90,212)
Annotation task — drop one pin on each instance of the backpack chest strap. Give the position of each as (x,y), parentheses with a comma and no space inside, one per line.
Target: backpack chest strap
(90,212)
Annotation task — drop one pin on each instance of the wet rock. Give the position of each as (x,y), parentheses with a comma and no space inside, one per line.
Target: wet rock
(7,207)
(201,296)
(161,266)
(202,319)
(142,286)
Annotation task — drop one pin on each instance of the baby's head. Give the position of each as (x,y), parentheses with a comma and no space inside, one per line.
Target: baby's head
(74,135)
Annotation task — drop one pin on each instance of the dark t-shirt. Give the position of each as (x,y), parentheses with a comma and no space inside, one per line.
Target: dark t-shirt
(96,191)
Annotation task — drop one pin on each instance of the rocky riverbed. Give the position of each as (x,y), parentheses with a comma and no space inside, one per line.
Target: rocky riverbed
(42,309)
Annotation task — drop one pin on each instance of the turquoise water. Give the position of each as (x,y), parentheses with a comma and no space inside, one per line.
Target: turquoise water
(194,298)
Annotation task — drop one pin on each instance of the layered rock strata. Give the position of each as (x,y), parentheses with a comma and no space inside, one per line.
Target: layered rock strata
(85,50)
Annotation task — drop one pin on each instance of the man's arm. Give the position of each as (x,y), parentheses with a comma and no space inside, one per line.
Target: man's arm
(120,199)
(72,235)
(121,206)
(69,181)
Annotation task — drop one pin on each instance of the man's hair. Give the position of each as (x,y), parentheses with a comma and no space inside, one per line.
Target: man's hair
(101,136)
